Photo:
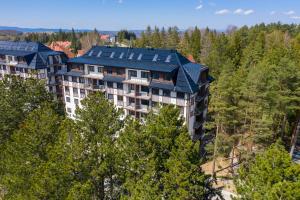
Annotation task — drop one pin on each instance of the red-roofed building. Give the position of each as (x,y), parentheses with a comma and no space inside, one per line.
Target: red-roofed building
(64,46)
(105,37)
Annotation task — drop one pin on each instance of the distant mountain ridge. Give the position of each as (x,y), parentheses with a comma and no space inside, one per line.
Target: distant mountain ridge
(40,30)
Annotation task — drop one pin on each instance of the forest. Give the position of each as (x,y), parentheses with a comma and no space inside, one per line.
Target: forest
(254,108)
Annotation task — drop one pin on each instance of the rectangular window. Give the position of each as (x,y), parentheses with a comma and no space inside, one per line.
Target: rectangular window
(155,91)
(66,78)
(4,67)
(155,75)
(110,84)
(145,74)
(120,86)
(100,69)
(69,110)
(180,95)
(109,70)
(166,93)
(145,102)
(76,101)
(25,70)
(68,99)
(110,96)
(167,76)
(91,69)
(120,98)
(81,80)
(74,79)
(119,71)
(75,92)
(144,89)
(67,89)
(132,73)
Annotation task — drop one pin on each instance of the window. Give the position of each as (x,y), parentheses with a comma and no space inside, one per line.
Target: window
(100,69)
(131,56)
(74,79)
(168,59)
(75,92)
(155,75)
(119,71)
(180,95)
(90,53)
(67,89)
(132,73)
(166,93)
(145,102)
(144,89)
(109,70)
(120,98)
(140,56)
(4,67)
(69,110)
(155,57)
(110,96)
(91,69)
(68,99)
(66,78)
(110,84)
(167,76)
(120,86)
(25,70)
(145,74)
(100,82)
(155,91)
(76,101)
(81,80)
(82,91)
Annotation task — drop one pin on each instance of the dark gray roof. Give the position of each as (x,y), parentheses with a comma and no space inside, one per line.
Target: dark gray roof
(162,85)
(185,73)
(35,53)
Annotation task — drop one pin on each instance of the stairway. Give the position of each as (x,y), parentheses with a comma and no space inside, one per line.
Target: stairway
(295,149)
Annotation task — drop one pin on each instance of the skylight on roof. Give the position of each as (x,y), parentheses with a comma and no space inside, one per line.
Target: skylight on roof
(168,59)
(121,55)
(112,55)
(131,56)
(99,54)
(91,52)
(155,57)
(140,56)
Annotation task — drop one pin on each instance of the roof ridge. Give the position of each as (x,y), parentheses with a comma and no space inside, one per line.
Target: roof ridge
(184,72)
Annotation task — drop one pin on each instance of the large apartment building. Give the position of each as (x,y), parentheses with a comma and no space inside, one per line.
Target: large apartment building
(32,59)
(138,80)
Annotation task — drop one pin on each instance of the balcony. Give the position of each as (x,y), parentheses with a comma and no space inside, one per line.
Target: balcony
(143,95)
(180,102)
(143,108)
(98,87)
(138,81)
(82,95)
(67,93)
(130,106)
(166,100)
(120,103)
(12,62)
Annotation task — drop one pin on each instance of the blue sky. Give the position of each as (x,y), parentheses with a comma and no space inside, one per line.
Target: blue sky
(137,14)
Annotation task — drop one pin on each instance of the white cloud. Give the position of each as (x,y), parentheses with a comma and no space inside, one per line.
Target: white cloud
(199,7)
(222,12)
(238,11)
(291,12)
(248,12)
(295,17)
(273,12)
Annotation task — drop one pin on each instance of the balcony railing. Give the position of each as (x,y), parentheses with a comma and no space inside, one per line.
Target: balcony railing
(120,103)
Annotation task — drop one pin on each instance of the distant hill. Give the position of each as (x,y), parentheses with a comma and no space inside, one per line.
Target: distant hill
(40,30)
